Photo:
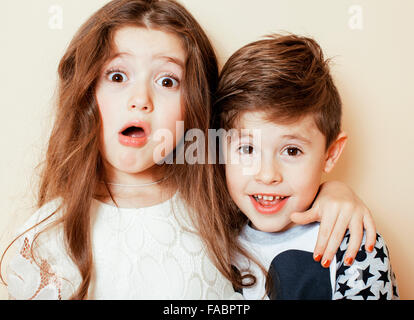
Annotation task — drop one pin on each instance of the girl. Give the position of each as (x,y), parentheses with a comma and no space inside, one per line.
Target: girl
(112,222)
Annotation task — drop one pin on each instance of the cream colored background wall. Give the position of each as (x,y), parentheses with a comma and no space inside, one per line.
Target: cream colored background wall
(370,40)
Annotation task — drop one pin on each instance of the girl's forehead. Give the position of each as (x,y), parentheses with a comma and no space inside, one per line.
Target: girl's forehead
(148,43)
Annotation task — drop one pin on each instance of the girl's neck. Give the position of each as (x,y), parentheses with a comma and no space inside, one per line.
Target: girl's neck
(135,190)
(134,197)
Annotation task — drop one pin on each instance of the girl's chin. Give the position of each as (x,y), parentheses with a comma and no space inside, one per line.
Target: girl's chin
(122,171)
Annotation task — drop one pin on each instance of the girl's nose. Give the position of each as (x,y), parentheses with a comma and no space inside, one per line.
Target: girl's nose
(142,107)
(269,172)
(141,99)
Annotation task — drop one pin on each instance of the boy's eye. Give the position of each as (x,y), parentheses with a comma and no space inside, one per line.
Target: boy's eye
(246,149)
(167,82)
(292,151)
(117,76)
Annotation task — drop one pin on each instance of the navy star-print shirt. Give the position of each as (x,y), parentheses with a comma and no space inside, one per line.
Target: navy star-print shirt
(294,275)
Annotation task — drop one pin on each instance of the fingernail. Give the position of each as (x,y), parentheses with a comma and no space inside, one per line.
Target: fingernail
(317,258)
(348,261)
(370,248)
(326,263)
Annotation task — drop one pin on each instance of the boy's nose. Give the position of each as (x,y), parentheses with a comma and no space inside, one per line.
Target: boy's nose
(269,173)
(141,99)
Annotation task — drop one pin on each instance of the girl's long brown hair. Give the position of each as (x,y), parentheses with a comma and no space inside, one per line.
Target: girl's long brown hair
(74,166)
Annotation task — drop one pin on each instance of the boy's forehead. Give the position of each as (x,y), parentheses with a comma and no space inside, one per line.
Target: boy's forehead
(258,119)
(249,119)
(304,128)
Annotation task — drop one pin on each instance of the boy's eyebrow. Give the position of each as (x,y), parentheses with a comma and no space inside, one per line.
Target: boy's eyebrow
(242,132)
(296,137)
(248,133)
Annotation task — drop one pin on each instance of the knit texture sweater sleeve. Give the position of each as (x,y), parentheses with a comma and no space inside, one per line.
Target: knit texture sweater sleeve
(32,273)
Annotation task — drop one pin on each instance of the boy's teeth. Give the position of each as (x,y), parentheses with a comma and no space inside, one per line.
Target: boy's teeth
(268,198)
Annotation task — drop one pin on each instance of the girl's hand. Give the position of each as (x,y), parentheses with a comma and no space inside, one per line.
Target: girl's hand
(338,209)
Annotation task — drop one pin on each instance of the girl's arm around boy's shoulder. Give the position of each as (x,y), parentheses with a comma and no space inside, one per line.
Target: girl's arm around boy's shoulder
(369,277)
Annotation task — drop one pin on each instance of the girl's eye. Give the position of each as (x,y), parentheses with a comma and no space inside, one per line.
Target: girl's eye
(117,76)
(292,151)
(167,82)
(246,149)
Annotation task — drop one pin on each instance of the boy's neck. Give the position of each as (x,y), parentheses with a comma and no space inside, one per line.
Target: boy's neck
(285,228)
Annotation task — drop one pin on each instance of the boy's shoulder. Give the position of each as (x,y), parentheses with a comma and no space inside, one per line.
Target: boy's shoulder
(369,277)
(379,252)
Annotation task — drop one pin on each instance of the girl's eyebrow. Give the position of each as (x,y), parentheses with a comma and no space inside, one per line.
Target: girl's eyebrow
(171,59)
(116,55)
(119,54)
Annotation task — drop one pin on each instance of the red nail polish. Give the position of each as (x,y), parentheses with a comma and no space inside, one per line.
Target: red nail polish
(370,248)
(317,258)
(326,263)
(348,261)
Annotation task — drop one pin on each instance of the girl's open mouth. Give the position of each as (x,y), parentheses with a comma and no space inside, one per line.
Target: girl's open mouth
(268,204)
(134,134)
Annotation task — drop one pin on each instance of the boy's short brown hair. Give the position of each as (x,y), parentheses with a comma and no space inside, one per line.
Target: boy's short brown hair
(287,77)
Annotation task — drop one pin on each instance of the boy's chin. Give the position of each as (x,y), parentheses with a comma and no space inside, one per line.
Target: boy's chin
(272,226)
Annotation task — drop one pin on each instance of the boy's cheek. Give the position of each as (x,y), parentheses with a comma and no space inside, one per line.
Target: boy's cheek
(233,176)
(236,185)
(306,192)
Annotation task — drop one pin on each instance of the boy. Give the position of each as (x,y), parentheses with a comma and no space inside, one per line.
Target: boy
(282,87)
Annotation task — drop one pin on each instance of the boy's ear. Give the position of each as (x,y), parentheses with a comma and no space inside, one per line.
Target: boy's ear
(334,151)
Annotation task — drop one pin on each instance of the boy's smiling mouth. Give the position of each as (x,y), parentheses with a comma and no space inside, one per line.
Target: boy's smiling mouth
(259,197)
(268,204)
